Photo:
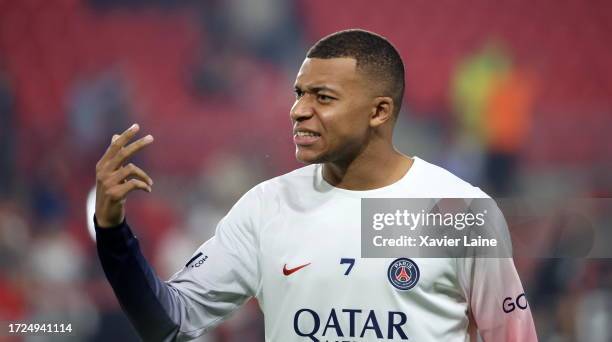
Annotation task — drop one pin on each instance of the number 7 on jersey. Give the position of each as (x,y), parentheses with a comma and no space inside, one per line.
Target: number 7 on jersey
(350,261)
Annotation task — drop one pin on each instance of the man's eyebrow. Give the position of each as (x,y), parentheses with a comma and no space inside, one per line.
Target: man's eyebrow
(317,88)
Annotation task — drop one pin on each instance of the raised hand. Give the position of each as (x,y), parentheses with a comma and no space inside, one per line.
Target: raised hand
(114,180)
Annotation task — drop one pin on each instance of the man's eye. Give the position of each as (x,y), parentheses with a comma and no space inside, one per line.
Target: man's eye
(324,98)
(298,93)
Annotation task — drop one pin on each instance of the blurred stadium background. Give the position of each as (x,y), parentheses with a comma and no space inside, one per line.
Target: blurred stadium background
(516,97)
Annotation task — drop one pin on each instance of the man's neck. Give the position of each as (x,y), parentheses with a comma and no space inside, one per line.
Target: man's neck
(369,170)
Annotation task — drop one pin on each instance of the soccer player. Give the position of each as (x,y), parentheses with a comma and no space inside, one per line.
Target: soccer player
(293,242)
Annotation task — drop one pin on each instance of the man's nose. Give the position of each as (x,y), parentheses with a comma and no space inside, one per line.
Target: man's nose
(301,110)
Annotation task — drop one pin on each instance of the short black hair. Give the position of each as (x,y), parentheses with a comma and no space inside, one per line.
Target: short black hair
(374,54)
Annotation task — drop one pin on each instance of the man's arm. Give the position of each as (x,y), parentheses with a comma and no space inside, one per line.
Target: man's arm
(138,289)
(497,300)
(202,293)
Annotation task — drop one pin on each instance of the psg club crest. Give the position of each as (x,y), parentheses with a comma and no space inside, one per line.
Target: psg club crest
(403,273)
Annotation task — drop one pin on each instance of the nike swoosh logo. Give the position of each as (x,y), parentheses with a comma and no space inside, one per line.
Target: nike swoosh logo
(289,271)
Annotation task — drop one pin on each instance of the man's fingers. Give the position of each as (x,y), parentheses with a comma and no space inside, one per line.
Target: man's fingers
(126,152)
(125,137)
(130,170)
(118,141)
(119,192)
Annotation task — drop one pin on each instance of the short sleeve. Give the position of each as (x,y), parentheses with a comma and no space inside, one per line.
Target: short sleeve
(223,273)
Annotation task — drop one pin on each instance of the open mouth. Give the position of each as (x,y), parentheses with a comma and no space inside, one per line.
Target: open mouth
(305,138)
(307,134)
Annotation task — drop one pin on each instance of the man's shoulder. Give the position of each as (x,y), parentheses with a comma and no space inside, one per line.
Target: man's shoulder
(440,182)
(269,194)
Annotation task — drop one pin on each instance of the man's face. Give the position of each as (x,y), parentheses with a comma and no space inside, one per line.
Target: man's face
(331,112)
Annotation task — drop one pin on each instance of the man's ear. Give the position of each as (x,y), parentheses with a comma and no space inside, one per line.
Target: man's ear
(382,111)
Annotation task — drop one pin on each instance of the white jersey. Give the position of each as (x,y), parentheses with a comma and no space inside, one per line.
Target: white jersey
(293,242)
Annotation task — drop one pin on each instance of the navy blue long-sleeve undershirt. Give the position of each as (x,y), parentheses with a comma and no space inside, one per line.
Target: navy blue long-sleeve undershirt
(145,298)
